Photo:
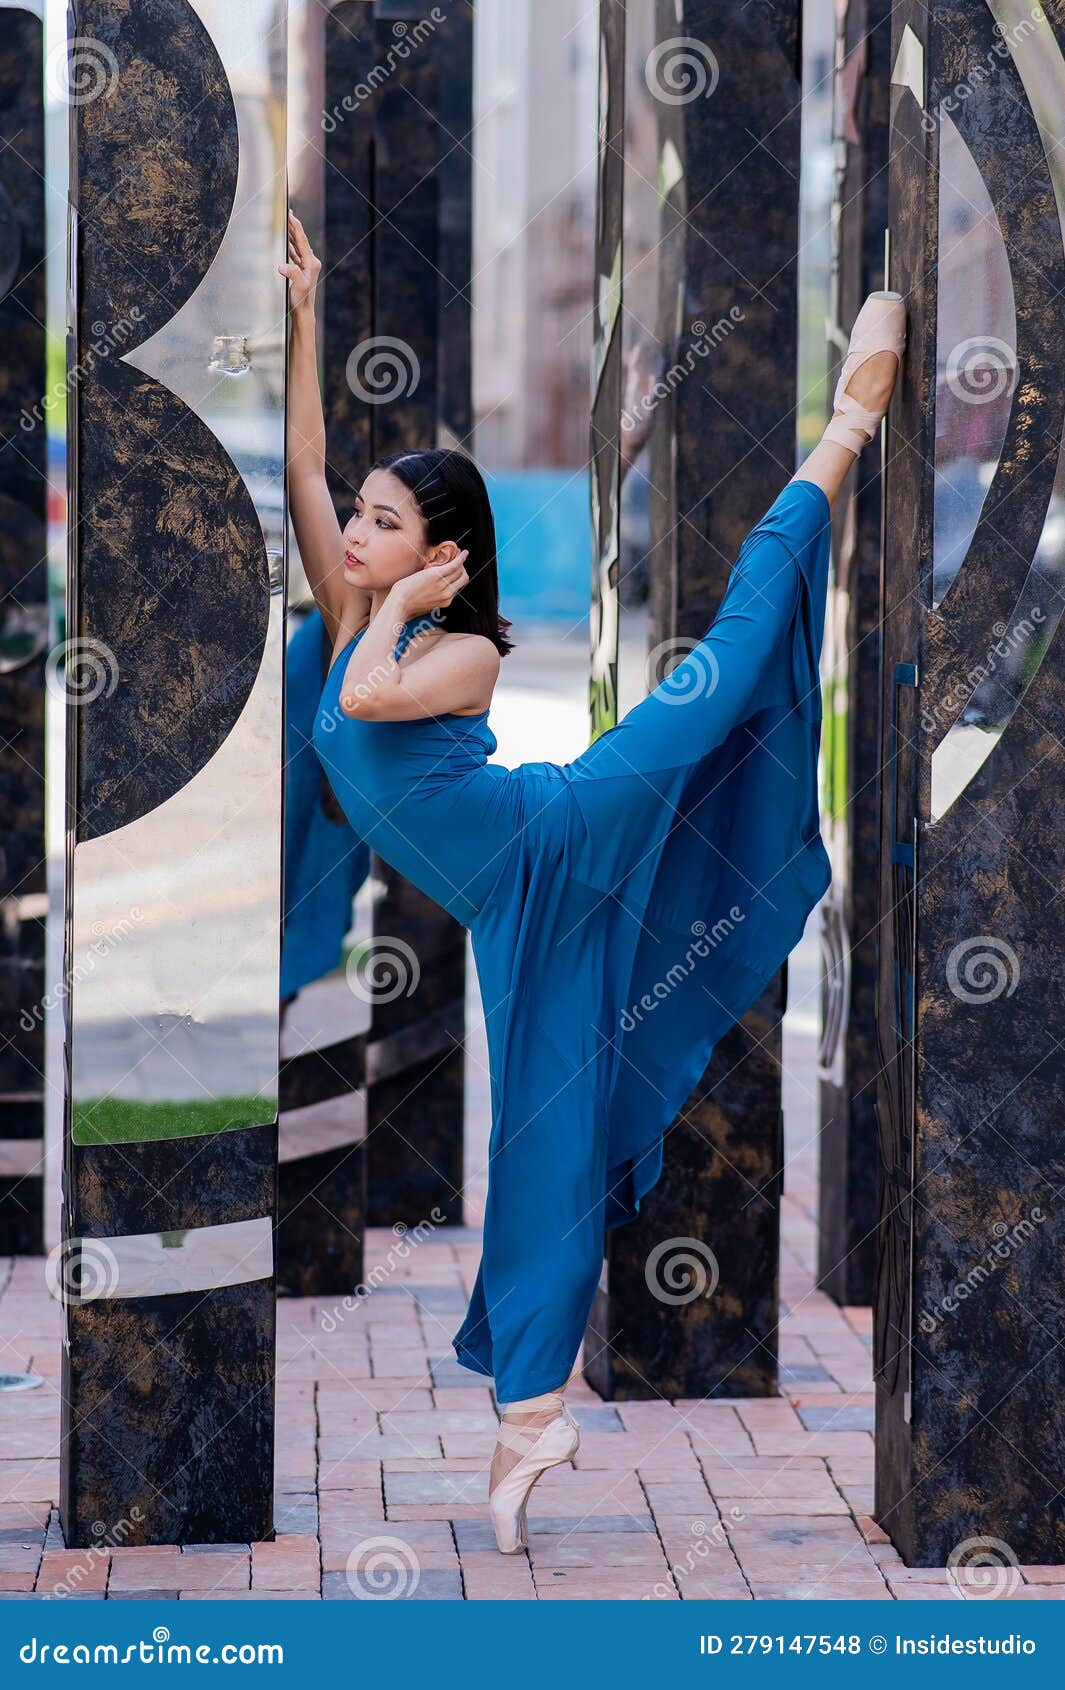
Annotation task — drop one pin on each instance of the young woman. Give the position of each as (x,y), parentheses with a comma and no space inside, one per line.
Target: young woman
(625,908)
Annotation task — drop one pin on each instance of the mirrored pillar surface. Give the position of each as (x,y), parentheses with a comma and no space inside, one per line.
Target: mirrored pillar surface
(397,374)
(850,807)
(174,675)
(23,628)
(324,1017)
(971,1017)
(688,1304)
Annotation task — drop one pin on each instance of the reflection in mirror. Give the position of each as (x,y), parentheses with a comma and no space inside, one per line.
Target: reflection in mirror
(325,861)
(23,626)
(976,359)
(967,446)
(175,695)
(642,409)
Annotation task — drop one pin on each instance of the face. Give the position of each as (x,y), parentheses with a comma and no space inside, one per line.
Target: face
(385,537)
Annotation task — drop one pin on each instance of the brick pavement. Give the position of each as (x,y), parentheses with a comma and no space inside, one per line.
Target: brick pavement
(381,1481)
(383,1444)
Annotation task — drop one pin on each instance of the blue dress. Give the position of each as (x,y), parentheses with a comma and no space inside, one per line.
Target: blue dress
(624,909)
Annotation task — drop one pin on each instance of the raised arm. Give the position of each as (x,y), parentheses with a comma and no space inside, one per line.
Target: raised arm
(345,608)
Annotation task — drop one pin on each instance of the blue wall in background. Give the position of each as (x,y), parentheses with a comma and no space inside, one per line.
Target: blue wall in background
(544,542)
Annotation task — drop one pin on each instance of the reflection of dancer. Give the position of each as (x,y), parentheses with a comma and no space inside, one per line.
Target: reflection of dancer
(325,862)
(625,908)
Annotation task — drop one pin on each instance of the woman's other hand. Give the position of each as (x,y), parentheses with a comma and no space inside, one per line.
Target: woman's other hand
(431,588)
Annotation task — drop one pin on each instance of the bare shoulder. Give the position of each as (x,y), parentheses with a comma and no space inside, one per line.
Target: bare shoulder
(480,650)
(473,653)
(470,664)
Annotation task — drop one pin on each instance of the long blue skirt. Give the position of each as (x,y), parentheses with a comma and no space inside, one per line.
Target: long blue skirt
(626,909)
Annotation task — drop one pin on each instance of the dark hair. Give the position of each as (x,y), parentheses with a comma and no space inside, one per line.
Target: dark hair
(449,491)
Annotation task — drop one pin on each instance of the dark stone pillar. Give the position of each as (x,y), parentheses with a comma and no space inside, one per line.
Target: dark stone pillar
(847,1221)
(397,374)
(718,110)
(23,630)
(971,1004)
(174,672)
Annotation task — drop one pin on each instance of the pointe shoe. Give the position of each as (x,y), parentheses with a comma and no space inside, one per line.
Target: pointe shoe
(880,326)
(541,1447)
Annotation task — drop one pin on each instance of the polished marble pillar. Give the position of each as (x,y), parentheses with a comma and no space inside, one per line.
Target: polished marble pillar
(969,1332)
(704,292)
(174,747)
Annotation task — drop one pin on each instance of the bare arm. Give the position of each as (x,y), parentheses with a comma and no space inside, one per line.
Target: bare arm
(345,608)
(455,675)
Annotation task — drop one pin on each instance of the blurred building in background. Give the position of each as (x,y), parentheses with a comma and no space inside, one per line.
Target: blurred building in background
(535,93)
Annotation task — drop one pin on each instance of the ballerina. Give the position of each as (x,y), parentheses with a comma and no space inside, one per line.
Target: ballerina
(624,908)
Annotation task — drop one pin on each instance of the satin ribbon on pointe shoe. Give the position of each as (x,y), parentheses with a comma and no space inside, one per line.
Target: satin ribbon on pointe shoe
(540,1447)
(880,326)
